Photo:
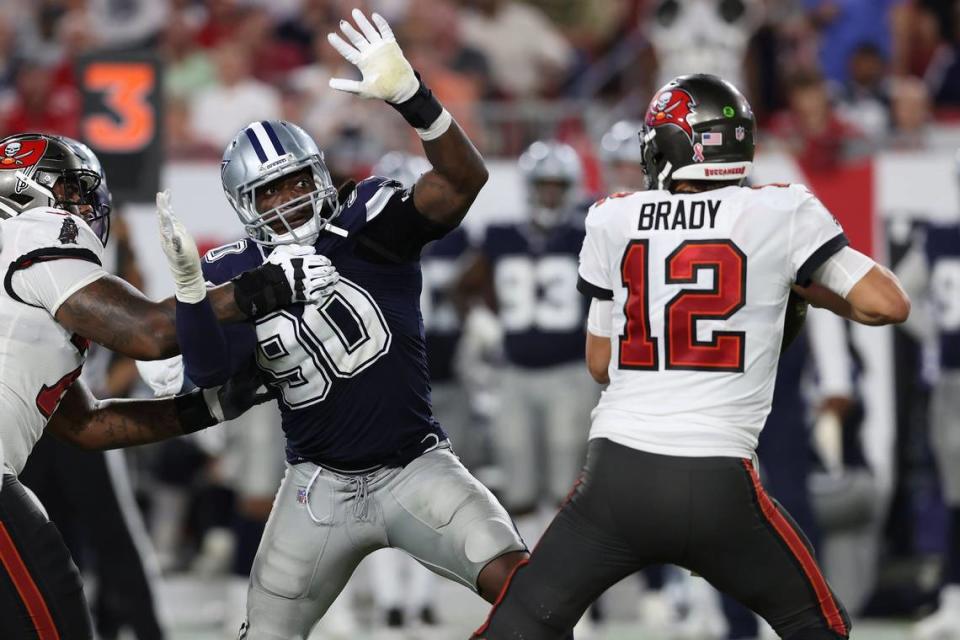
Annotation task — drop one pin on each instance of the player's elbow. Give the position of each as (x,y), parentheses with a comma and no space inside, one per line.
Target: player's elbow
(599,372)
(896,308)
(598,357)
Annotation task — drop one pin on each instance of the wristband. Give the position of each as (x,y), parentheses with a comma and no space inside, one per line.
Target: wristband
(192,411)
(422,109)
(261,290)
(438,128)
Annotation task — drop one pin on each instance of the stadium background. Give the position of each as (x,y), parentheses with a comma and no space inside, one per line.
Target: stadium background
(860,99)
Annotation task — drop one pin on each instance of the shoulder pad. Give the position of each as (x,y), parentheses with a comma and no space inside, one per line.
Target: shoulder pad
(50,228)
(222,263)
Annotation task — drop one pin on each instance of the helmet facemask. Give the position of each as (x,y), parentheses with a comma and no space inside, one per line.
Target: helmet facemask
(550,200)
(320,204)
(80,192)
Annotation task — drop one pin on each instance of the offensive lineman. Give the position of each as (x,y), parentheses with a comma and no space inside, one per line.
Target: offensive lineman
(689,284)
(56,298)
(368,464)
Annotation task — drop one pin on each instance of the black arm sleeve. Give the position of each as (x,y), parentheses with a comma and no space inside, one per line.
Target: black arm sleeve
(399,232)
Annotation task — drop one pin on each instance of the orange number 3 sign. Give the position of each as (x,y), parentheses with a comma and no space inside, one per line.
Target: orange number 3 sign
(126,87)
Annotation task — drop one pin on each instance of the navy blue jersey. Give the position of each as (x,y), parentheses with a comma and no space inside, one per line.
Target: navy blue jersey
(535,281)
(440,265)
(942,250)
(350,375)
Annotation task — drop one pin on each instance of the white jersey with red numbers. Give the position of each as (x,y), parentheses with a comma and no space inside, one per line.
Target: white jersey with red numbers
(45,256)
(699,284)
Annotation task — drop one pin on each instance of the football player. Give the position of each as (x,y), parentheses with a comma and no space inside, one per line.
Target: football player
(622,157)
(931,272)
(368,464)
(689,284)
(56,299)
(527,273)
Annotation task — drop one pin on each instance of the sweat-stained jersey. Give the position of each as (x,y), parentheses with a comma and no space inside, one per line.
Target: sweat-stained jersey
(699,284)
(351,375)
(534,278)
(942,252)
(46,256)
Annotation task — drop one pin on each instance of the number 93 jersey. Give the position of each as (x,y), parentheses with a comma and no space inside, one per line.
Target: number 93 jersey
(699,284)
(534,279)
(350,374)
(942,252)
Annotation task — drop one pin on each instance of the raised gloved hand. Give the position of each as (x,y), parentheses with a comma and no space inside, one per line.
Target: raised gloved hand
(181,252)
(311,277)
(385,71)
(164,377)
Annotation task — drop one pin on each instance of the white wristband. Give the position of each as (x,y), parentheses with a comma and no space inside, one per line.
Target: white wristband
(438,128)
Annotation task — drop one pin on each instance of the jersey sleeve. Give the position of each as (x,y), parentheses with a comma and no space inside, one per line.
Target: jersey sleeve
(395,229)
(222,264)
(815,237)
(58,255)
(594,278)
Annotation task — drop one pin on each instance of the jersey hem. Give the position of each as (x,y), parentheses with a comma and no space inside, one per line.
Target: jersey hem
(681,452)
(80,284)
(593,291)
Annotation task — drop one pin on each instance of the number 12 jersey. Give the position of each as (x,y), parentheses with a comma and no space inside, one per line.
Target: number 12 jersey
(699,284)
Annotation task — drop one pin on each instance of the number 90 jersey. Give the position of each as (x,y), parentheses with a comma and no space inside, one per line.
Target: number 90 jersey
(699,284)
(351,374)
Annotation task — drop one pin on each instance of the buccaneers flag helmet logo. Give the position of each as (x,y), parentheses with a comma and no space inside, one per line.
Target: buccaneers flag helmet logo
(671,106)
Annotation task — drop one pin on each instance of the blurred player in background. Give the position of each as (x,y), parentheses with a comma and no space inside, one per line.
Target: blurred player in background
(368,464)
(526,272)
(931,272)
(57,298)
(622,157)
(669,475)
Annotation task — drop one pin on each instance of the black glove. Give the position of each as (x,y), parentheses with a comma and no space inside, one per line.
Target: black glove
(202,408)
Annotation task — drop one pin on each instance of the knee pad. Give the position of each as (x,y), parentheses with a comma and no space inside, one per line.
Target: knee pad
(489,540)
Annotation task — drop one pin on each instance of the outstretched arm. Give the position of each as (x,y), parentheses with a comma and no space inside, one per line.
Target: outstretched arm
(445,193)
(109,311)
(93,424)
(88,423)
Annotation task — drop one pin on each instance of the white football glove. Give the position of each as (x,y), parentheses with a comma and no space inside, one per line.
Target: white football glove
(312,278)
(386,73)
(181,251)
(164,377)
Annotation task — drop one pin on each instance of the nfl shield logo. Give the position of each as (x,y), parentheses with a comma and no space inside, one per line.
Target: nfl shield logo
(301,495)
(740,134)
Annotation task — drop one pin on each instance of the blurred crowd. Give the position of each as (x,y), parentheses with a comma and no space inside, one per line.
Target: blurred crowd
(841,78)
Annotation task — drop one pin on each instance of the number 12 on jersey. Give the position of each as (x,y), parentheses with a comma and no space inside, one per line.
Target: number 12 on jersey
(724,351)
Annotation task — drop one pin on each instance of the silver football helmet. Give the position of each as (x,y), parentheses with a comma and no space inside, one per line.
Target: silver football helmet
(553,176)
(622,155)
(621,143)
(405,168)
(263,152)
